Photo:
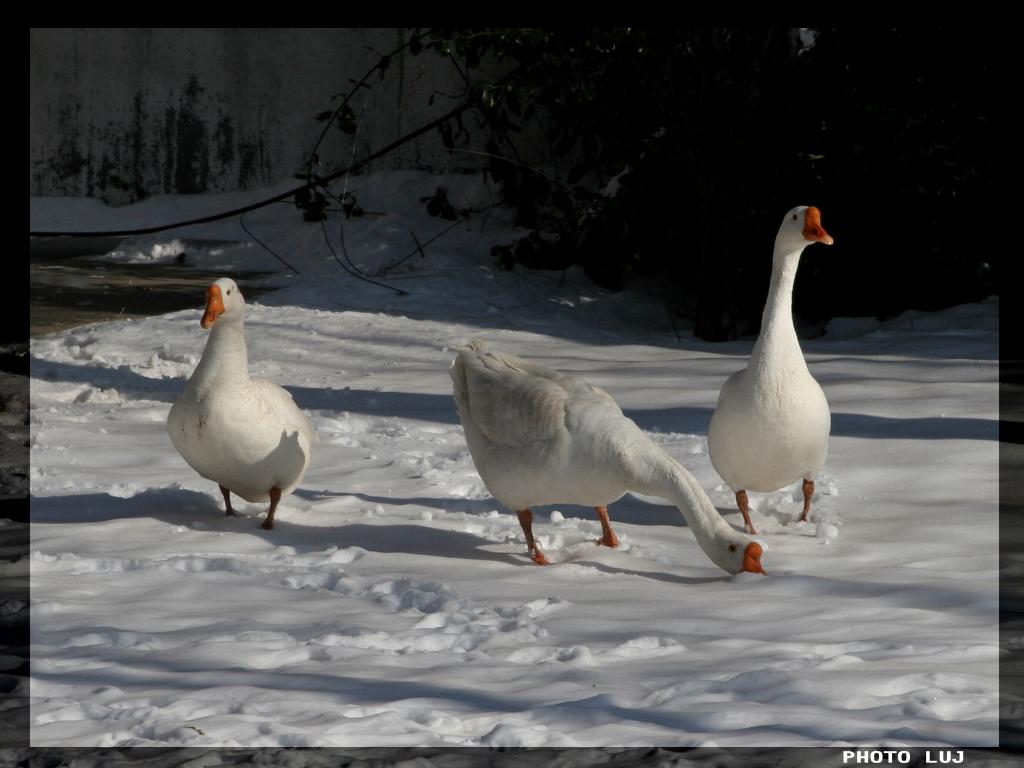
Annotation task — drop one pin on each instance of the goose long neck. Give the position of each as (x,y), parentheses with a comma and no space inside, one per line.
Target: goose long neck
(224,358)
(778,336)
(665,477)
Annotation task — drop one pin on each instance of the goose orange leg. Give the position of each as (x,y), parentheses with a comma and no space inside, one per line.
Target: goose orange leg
(808,492)
(608,539)
(275,497)
(227,502)
(743,503)
(526,521)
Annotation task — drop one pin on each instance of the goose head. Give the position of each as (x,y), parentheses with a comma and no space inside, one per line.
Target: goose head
(801,226)
(224,303)
(738,554)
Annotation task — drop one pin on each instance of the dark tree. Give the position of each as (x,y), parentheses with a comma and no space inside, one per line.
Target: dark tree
(708,136)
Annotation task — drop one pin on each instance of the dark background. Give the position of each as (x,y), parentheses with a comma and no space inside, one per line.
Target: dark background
(889,131)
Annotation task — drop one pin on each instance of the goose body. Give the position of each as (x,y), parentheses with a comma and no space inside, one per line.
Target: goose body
(538,436)
(247,435)
(772,422)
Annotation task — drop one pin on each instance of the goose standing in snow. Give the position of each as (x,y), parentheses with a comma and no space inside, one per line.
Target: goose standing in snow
(771,425)
(247,435)
(541,437)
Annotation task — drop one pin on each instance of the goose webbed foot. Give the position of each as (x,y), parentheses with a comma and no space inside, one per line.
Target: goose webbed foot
(526,522)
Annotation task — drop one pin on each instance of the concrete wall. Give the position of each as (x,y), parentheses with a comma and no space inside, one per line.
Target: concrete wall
(127,113)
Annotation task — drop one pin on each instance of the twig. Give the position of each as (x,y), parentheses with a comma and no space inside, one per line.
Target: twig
(419,248)
(241,220)
(355,136)
(348,97)
(357,275)
(344,193)
(344,246)
(463,75)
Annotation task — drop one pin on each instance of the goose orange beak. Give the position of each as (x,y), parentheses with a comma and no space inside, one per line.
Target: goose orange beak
(813,230)
(752,558)
(214,307)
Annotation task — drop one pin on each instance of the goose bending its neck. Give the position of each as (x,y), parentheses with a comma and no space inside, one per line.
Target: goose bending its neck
(538,436)
(772,421)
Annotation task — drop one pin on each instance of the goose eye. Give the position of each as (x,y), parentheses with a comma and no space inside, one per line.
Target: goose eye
(229,291)
(732,547)
(794,219)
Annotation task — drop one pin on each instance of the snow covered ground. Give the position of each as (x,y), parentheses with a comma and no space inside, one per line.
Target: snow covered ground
(393,604)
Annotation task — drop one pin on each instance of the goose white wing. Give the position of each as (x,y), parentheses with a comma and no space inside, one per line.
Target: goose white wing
(511,402)
(285,411)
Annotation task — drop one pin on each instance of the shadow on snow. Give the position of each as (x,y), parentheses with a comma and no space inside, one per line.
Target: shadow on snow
(441,408)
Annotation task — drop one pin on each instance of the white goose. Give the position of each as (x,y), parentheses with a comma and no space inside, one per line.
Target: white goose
(247,435)
(540,437)
(772,422)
